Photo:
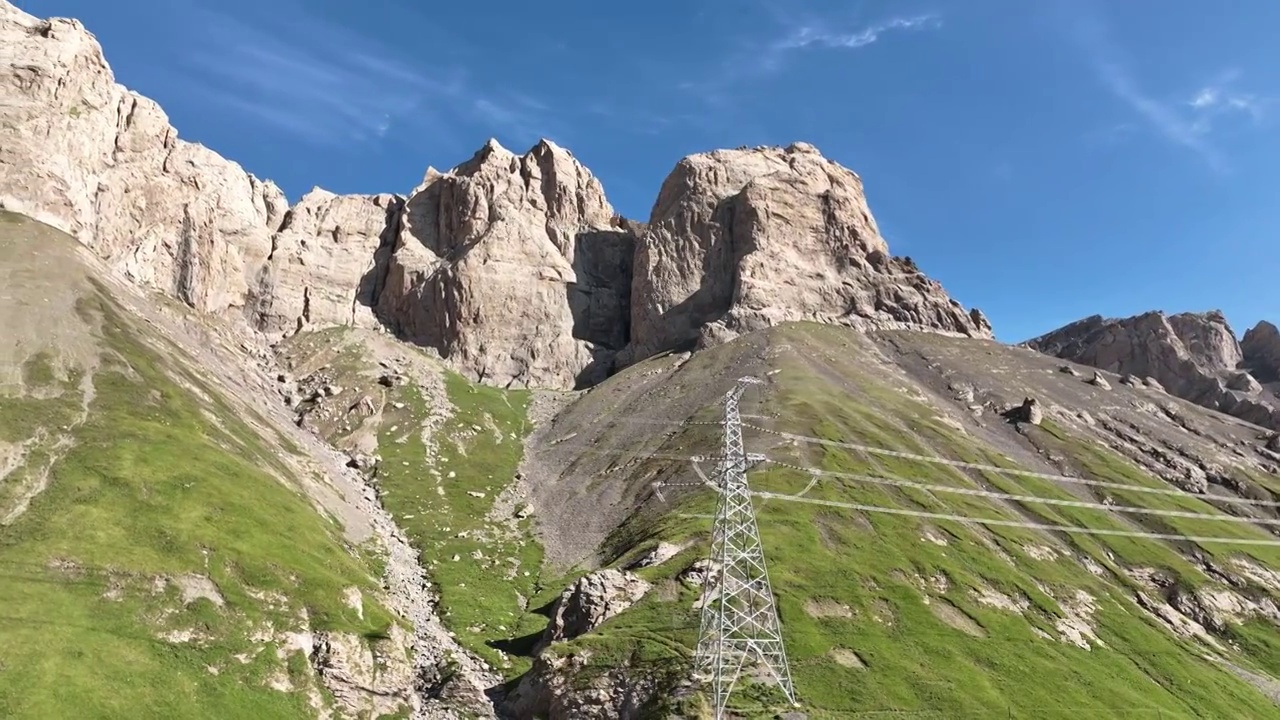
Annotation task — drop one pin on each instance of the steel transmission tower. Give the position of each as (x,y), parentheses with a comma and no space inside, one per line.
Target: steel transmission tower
(739,628)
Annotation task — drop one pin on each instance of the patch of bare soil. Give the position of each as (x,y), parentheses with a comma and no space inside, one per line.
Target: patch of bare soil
(591,466)
(847,658)
(43,274)
(953,616)
(826,608)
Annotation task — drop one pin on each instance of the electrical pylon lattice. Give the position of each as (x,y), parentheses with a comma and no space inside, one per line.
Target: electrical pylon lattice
(739,626)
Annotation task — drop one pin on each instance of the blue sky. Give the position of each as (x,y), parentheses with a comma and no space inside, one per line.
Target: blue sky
(1044,160)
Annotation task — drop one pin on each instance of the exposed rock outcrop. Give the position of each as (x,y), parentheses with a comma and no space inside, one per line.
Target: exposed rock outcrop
(594,598)
(327,262)
(743,239)
(1194,356)
(1028,412)
(512,267)
(1261,349)
(85,155)
(566,687)
(365,681)
(563,684)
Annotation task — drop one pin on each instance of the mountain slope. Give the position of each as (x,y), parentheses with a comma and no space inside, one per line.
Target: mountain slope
(168,548)
(194,522)
(880,611)
(888,612)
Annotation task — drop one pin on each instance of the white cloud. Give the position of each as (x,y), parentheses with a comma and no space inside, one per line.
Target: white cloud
(1164,117)
(822,36)
(757,57)
(1108,62)
(1221,98)
(1188,120)
(1207,97)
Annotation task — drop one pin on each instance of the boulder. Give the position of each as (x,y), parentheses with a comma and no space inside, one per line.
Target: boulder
(1028,412)
(1261,350)
(1244,382)
(594,598)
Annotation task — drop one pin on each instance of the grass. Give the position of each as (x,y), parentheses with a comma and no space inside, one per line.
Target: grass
(487,571)
(159,483)
(488,580)
(877,564)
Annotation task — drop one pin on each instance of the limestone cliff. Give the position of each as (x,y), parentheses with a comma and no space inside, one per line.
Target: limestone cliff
(1261,350)
(743,239)
(327,263)
(83,154)
(513,267)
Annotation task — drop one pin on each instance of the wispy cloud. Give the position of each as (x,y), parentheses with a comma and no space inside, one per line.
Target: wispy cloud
(318,81)
(1175,126)
(823,36)
(329,85)
(1187,122)
(514,114)
(762,56)
(1221,98)
(826,34)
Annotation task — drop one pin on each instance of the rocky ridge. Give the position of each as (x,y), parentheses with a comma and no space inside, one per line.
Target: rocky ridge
(1194,356)
(514,268)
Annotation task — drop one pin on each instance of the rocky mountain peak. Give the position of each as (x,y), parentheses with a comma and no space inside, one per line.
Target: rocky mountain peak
(515,268)
(746,238)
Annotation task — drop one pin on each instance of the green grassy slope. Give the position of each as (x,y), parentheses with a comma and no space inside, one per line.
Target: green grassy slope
(485,566)
(161,482)
(881,617)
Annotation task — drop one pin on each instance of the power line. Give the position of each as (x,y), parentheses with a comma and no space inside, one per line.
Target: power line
(1013,471)
(1014,523)
(933,487)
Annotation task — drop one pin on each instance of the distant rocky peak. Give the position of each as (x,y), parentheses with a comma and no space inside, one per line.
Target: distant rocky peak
(1195,356)
(743,239)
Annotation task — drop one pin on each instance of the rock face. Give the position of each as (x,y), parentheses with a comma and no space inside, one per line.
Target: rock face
(365,682)
(511,267)
(743,239)
(1194,356)
(327,263)
(85,155)
(554,687)
(514,268)
(566,688)
(1261,349)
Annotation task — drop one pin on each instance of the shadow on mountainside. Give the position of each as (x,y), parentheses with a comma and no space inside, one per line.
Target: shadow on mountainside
(372,282)
(600,298)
